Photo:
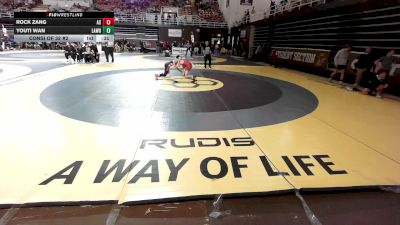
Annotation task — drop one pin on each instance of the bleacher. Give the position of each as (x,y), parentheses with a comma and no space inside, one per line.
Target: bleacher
(140,6)
(186,11)
(329,26)
(142,12)
(135,35)
(183,14)
(276,9)
(209,11)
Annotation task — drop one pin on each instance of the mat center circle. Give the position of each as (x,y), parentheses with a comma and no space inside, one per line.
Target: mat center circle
(129,98)
(180,83)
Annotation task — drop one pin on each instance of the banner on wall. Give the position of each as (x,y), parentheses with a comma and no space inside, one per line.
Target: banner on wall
(178,51)
(174,32)
(246,2)
(317,58)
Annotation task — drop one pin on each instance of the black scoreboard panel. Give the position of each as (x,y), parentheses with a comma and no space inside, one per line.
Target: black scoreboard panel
(64,26)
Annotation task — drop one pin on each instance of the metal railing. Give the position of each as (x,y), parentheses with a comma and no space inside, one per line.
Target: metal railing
(6,14)
(279,8)
(188,20)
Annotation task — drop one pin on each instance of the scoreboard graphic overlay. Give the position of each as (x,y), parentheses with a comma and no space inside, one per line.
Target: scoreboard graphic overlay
(64,26)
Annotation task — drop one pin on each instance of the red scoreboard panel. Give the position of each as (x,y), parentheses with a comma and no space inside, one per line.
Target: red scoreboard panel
(64,27)
(108,21)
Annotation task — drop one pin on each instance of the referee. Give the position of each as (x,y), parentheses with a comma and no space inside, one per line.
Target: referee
(207,55)
(109,51)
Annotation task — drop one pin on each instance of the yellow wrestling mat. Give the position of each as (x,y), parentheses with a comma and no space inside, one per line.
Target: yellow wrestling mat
(57,150)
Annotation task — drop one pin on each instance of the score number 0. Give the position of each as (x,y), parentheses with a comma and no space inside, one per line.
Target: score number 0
(108,21)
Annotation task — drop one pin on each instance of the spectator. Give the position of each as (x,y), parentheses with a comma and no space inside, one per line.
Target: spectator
(224,51)
(340,62)
(363,65)
(143,48)
(258,52)
(191,49)
(272,7)
(116,47)
(165,46)
(207,55)
(188,47)
(111,51)
(385,62)
(241,50)
(169,18)
(80,53)
(158,47)
(87,55)
(67,51)
(377,83)
(95,53)
(196,50)
(274,59)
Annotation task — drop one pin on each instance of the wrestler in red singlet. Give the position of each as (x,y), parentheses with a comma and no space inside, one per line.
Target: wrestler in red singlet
(187,65)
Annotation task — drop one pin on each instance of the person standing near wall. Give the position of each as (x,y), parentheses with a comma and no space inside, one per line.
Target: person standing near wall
(105,50)
(109,51)
(3,39)
(158,47)
(386,62)
(207,55)
(363,65)
(340,61)
(187,46)
(202,46)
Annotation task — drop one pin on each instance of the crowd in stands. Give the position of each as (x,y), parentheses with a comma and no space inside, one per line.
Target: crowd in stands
(6,4)
(139,6)
(186,10)
(118,6)
(38,6)
(209,11)
(278,7)
(132,7)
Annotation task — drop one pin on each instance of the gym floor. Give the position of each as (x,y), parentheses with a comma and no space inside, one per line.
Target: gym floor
(243,143)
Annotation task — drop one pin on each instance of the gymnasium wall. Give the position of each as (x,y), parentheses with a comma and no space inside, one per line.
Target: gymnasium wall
(330,29)
(379,28)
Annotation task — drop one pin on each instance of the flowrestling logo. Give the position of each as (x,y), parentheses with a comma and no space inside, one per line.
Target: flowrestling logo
(64,15)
